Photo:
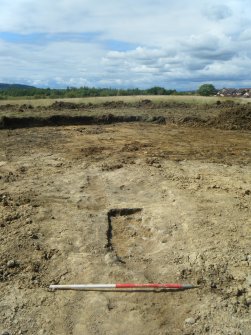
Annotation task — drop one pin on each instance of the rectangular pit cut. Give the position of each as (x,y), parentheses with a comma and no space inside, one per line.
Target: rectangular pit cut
(126,235)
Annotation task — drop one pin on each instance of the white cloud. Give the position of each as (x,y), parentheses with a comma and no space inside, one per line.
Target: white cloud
(176,42)
(61,62)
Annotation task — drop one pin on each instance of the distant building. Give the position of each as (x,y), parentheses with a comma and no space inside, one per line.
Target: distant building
(235,92)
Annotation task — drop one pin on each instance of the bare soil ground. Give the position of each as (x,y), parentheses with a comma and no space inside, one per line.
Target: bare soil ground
(125,203)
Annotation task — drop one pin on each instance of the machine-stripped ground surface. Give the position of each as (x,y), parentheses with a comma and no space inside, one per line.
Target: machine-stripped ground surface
(125,203)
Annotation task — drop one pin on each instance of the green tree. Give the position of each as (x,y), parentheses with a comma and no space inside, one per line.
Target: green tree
(207,90)
(156,90)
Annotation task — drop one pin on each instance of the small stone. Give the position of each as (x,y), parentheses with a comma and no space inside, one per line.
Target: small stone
(190,321)
(111,259)
(12,263)
(110,306)
(5,332)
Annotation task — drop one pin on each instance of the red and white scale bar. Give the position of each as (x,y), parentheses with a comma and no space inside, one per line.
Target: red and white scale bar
(120,286)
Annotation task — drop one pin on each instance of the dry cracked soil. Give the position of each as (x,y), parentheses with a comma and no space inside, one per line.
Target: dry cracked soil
(125,203)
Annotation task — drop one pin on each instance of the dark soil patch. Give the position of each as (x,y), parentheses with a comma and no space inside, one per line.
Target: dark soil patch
(61,120)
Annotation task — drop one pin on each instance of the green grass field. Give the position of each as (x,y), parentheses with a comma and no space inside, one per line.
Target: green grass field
(96,100)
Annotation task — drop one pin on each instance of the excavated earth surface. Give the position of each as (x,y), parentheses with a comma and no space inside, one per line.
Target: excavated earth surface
(125,203)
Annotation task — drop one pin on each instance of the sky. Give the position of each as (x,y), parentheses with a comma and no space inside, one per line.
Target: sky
(176,44)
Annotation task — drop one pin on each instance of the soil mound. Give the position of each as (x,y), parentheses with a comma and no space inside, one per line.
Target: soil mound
(227,104)
(146,104)
(59,105)
(8,107)
(114,104)
(238,118)
(191,120)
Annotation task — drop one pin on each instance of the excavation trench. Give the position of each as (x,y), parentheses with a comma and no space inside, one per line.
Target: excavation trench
(125,233)
(7,122)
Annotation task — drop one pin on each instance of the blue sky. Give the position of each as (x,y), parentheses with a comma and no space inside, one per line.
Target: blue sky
(175,44)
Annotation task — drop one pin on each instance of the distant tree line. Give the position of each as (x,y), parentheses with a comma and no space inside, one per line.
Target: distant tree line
(16,90)
(72,92)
